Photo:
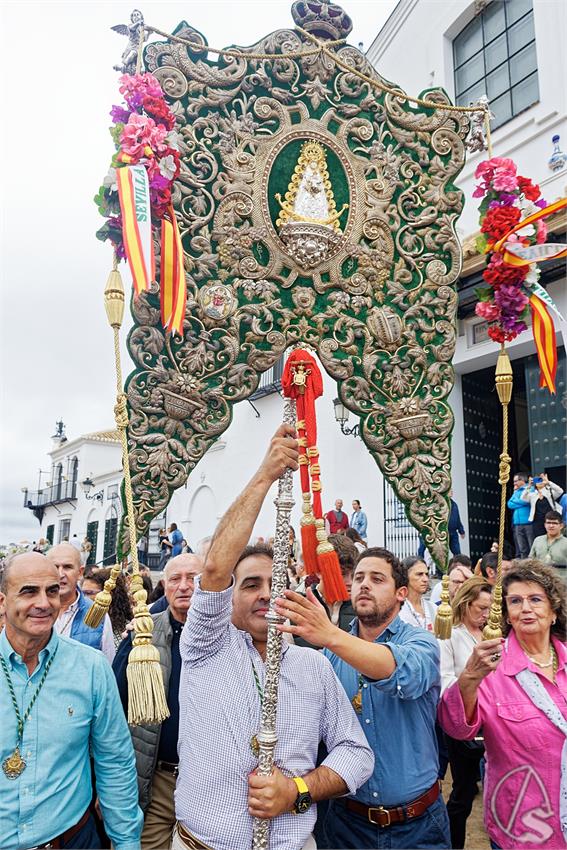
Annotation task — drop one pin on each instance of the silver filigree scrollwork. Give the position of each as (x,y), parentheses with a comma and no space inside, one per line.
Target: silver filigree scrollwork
(267,738)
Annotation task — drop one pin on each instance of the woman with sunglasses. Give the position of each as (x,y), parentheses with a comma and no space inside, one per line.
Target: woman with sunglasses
(515,689)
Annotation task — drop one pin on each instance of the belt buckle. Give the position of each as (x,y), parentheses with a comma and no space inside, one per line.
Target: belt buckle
(382,811)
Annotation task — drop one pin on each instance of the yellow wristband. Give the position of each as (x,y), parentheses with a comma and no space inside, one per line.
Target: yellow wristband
(301,785)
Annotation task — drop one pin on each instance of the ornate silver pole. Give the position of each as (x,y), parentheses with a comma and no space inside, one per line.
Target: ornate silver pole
(267,738)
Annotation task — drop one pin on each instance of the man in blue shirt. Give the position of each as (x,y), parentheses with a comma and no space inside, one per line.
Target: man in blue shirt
(390,671)
(59,706)
(522,528)
(358,520)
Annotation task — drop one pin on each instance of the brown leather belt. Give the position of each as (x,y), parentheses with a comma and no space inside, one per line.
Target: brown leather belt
(168,766)
(189,840)
(65,837)
(380,816)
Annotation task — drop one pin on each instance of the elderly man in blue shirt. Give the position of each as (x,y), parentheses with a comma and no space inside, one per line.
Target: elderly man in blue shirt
(390,672)
(59,706)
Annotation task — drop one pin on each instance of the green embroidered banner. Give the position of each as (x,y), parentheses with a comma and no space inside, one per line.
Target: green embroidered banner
(314,209)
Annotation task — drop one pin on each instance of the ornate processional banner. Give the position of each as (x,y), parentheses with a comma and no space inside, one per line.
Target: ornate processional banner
(314,208)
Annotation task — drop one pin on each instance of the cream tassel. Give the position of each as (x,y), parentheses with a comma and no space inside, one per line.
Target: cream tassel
(146,693)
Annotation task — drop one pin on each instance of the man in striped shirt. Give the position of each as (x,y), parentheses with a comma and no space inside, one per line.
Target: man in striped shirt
(223,650)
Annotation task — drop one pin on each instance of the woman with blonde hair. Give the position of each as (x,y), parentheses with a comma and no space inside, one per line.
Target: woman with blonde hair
(471,607)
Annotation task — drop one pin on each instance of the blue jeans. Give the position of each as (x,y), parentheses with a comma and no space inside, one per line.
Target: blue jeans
(353,832)
(454,543)
(86,838)
(523,539)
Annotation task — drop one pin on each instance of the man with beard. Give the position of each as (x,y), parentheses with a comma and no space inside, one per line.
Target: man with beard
(390,671)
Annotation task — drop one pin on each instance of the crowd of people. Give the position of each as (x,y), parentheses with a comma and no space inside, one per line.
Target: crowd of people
(371,707)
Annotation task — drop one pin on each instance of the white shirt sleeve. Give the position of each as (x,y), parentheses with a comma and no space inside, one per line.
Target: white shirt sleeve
(107,644)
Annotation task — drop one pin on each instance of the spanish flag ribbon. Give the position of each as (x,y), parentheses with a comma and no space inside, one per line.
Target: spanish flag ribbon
(173,286)
(516,254)
(546,346)
(134,195)
(501,246)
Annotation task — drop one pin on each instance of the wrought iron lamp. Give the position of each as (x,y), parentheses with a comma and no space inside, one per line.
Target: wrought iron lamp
(342,415)
(87,485)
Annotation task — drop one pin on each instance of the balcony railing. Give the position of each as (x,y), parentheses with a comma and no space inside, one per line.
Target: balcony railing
(64,491)
(270,381)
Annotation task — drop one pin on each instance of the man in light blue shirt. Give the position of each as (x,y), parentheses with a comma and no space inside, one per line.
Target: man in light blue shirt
(358,520)
(60,707)
(390,672)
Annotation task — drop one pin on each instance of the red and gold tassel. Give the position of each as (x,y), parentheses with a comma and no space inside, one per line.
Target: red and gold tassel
(302,380)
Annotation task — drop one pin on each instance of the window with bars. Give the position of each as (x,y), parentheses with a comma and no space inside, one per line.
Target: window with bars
(495,55)
(92,537)
(110,535)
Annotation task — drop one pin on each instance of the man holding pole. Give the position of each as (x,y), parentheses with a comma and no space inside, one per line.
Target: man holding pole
(223,651)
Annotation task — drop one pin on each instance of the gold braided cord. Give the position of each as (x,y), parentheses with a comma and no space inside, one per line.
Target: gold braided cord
(234,52)
(146,693)
(121,416)
(504,378)
(323,47)
(430,104)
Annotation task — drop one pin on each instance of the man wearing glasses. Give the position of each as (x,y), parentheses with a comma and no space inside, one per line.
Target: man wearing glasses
(551,548)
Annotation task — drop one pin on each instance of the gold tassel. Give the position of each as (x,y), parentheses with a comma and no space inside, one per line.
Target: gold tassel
(444,619)
(146,693)
(493,628)
(98,610)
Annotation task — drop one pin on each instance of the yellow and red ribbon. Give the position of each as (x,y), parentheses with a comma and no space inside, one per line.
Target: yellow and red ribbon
(173,286)
(545,341)
(134,195)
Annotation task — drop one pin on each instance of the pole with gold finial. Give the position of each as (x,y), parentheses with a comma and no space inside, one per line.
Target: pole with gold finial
(146,694)
(504,383)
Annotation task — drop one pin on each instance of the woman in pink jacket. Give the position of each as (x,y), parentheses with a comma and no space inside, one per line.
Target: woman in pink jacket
(515,689)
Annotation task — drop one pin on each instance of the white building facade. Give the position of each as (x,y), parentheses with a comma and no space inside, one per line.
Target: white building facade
(512,50)
(79,494)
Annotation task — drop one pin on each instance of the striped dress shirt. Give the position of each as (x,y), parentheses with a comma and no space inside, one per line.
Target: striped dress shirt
(220,712)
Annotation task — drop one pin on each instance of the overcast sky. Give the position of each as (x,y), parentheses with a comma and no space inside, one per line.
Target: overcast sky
(57,89)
